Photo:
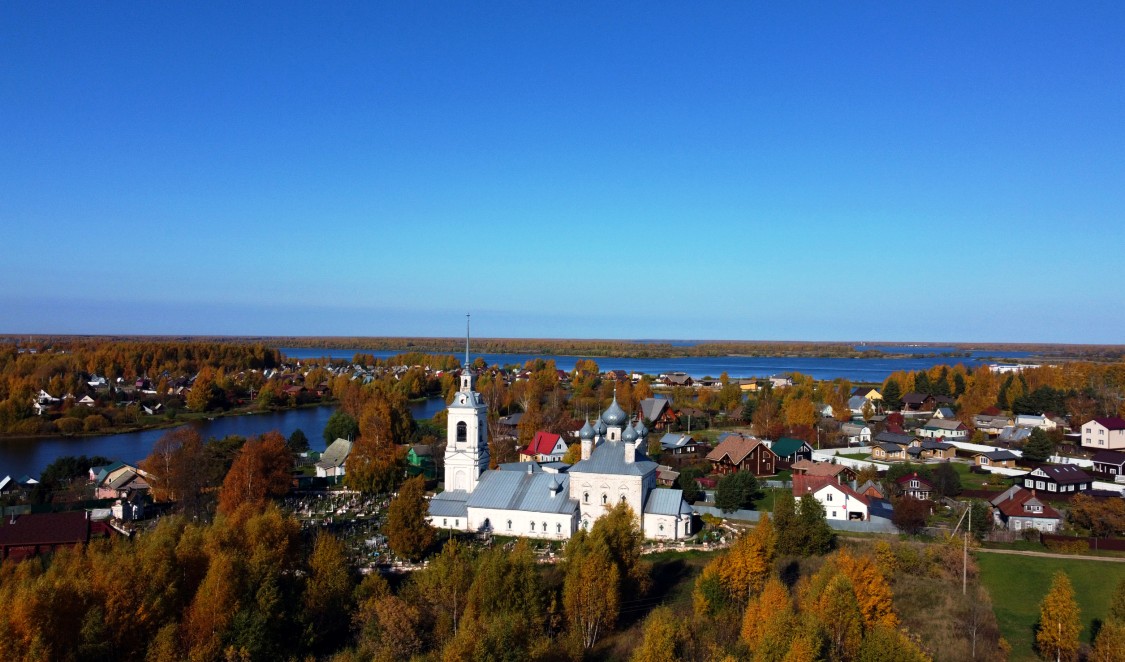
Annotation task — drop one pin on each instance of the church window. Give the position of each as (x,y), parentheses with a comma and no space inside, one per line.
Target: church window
(585,497)
(445,522)
(558,528)
(462,431)
(544,527)
(622,498)
(509,525)
(533,526)
(662,528)
(605,499)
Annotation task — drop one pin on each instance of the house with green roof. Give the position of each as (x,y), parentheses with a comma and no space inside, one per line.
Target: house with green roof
(789,450)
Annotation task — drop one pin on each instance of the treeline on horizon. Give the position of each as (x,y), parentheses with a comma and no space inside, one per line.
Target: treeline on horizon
(609,348)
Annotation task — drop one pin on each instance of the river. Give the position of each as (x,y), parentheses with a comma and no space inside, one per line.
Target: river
(31,456)
(856,370)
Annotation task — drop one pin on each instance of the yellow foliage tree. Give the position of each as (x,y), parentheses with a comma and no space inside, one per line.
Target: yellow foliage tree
(1059,623)
(773,599)
(746,566)
(872,591)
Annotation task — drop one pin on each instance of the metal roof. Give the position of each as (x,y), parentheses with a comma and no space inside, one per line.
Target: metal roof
(608,457)
(449,504)
(666,501)
(533,493)
(336,454)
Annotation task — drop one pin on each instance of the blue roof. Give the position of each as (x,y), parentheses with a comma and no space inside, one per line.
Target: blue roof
(449,504)
(666,501)
(608,457)
(512,490)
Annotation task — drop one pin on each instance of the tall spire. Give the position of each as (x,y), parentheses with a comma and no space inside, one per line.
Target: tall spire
(466,341)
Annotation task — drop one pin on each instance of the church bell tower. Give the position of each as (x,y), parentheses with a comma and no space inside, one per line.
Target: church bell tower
(466,444)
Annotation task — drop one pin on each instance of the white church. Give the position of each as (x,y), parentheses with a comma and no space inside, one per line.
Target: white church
(551,500)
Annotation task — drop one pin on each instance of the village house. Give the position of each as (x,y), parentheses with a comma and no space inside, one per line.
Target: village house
(658,412)
(1104,434)
(837,472)
(915,486)
(869,393)
(1019,509)
(666,476)
(738,453)
(997,458)
(946,428)
(990,424)
(333,460)
(1109,462)
(935,450)
(892,446)
(679,443)
(840,501)
(1058,478)
(789,450)
(857,433)
(23,536)
(118,481)
(1041,421)
(544,447)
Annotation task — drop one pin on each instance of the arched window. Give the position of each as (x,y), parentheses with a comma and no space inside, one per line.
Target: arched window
(622,498)
(544,527)
(662,528)
(585,497)
(462,431)
(605,499)
(558,528)
(509,525)
(533,526)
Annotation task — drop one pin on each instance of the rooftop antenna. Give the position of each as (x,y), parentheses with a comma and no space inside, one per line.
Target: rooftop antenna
(467,341)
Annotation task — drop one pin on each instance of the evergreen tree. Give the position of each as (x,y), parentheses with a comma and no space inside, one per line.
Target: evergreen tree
(1039,446)
(736,491)
(340,425)
(812,521)
(298,443)
(947,481)
(892,395)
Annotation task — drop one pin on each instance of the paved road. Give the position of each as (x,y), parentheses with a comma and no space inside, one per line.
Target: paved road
(1052,555)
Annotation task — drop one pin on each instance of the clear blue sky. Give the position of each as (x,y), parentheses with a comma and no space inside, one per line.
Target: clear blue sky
(901,171)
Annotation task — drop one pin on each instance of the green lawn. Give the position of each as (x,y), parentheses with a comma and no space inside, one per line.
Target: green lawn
(855,456)
(1018,583)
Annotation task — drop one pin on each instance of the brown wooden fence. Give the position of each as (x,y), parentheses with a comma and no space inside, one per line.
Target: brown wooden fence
(1115,544)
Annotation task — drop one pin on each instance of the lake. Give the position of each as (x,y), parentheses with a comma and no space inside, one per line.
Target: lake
(31,456)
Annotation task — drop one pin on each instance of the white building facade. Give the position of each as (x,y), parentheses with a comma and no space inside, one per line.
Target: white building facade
(549,501)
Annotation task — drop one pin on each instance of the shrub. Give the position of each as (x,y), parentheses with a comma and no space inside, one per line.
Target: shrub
(1067,546)
(69,425)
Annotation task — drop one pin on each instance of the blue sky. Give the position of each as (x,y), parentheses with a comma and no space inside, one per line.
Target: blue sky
(839,171)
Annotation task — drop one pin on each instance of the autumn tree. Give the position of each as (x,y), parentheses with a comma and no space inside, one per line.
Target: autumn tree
(443,587)
(910,515)
(376,460)
(773,599)
(408,533)
(261,470)
(591,589)
(327,594)
(662,638)
(743,570)
(175,465)
(1102,518)
(1056,635)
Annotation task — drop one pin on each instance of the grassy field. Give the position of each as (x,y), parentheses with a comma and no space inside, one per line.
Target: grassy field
(1018,583)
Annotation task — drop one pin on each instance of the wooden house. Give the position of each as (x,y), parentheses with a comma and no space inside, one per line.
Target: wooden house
(739,453)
